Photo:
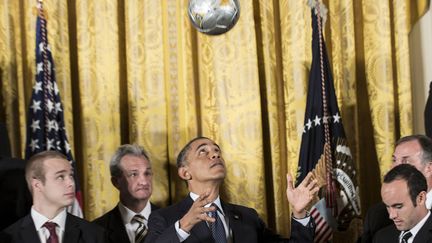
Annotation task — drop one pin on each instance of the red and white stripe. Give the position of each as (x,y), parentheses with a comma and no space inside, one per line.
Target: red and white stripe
(323,232)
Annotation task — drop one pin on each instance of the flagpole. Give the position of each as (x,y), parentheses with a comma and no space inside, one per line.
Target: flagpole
(330,188)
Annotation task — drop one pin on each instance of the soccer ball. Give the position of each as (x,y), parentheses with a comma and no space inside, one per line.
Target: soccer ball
(213,17)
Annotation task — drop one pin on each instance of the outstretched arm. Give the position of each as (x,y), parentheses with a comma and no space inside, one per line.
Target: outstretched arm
(301,196)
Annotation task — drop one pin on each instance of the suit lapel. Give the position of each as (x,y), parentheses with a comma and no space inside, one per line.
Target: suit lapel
(72,231)
(234,222)
(28,230)
(117,230)
(200,232)
(153,207)
(425,232)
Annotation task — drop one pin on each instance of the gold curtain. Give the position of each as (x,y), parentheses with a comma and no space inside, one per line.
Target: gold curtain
(135,71)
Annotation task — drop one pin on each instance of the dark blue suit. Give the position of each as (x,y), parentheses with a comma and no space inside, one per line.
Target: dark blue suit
(244,225)
(391,233)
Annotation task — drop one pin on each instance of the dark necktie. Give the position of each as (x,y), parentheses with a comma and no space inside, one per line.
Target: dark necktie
(53,238)
(406,235)
(217,228)
(141,231)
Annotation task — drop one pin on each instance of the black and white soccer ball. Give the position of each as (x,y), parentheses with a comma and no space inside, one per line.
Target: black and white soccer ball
(214,17)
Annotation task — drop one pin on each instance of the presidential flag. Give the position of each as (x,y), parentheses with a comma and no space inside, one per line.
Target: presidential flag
(45,121)
(324,149)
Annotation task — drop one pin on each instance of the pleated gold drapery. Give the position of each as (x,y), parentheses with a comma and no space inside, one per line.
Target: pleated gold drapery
(135,71)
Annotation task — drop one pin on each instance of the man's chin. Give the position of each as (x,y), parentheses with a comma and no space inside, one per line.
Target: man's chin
(142,196)
(220,177)
(401,227)
(67,203)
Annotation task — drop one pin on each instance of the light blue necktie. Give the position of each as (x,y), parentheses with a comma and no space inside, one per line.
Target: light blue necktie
(217,228)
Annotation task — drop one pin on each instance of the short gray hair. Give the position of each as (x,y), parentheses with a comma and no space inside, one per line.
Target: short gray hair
(123,150)
(425,144)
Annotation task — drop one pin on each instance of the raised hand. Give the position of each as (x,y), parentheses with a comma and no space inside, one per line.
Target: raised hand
(301,196)
(197,213)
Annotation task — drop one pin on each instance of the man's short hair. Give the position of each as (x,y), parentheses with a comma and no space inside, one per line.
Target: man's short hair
(181,158)
(123,150)
(415,179)
(34,168)
(425,143)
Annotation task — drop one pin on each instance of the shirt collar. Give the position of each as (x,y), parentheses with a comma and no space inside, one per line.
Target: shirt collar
(39,219)
(217,201)
(128,214)
(429,199)
(414,230)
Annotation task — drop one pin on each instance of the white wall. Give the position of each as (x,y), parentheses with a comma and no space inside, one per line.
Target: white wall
(420,40)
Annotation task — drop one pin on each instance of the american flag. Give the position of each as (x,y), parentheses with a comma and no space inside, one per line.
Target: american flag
(45,124)
(324,148)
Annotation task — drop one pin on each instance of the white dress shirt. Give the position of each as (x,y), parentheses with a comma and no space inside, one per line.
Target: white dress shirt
(131,225)
(43,233)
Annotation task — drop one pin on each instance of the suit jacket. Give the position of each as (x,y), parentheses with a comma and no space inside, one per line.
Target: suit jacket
(112,222)
(77,230)
(244,224)
(391,234)
(376,218)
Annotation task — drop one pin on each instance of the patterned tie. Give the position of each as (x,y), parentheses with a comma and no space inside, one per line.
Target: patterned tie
(405,236)
(53,238)
(217,228)
(141,231)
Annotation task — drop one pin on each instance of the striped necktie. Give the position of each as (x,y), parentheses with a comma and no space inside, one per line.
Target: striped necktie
(405,236)
(141,231)
(217,228)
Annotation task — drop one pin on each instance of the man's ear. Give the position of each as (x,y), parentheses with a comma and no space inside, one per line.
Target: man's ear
(184,173)
(421,198)
(36,184)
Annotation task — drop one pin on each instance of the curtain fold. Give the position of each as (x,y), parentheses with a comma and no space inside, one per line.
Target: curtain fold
(137,72)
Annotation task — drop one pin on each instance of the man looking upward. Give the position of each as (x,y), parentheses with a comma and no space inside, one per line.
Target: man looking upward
(203,217)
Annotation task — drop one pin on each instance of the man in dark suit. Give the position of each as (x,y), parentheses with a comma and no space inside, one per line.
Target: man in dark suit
(404,194)
(131,174)
(49,176)
(415,150)
(204,217)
